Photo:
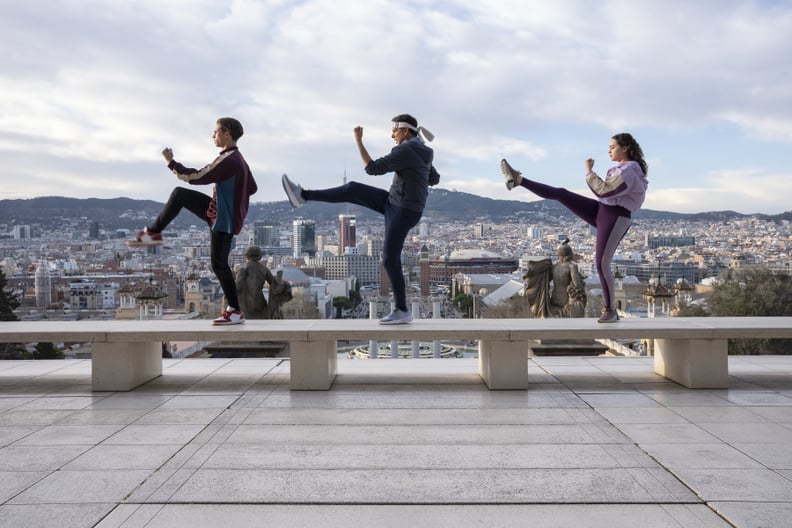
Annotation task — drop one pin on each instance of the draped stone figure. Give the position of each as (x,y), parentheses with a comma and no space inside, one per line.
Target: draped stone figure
(280,293)
(555,290)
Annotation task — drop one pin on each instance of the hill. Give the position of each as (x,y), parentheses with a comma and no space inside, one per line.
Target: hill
(444,205)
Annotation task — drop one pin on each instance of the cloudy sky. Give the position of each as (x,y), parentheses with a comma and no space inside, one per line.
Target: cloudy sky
(91,91)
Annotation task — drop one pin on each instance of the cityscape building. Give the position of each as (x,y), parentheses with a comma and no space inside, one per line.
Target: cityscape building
(363,267)
(43,285)
(303,237)
(21,232)
(266,236)
(654,242)
(87,273)
(441,270)
(346,233)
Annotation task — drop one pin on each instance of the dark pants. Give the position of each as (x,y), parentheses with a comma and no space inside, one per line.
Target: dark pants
(612,223)
(398,222)
(220,245)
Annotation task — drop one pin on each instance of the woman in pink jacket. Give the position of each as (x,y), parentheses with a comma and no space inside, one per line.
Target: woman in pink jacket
(621,192)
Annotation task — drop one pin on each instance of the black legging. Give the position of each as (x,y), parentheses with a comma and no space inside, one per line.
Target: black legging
(398,222)
(220,243)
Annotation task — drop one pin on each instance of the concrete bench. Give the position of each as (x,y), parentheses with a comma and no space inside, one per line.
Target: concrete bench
(125,354)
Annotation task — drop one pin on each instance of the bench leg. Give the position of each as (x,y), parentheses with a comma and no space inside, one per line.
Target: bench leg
(313,364)
(694,363)
(504,364)
(124,366)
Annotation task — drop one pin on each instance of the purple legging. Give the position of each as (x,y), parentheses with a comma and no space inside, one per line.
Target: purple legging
(611,221)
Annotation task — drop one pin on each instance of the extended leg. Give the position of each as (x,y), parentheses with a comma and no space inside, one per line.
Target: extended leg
(181,198)
(373,198)
(581,206)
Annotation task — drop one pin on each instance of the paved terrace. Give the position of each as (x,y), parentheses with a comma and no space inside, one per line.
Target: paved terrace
(595,442)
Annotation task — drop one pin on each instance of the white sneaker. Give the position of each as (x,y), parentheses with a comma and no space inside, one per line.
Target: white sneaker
(509,174)
(293,191)
(396,317)
(231,316)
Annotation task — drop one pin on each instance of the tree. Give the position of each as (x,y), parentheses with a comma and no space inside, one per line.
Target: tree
(464,303)
(9,303)
(47,350)
(753,293)
(341,303)
(354,296)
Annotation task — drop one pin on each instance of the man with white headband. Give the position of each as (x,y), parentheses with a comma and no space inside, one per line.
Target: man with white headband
(402,206)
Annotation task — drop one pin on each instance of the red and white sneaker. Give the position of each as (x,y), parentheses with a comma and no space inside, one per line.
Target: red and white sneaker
(231,316)
(144,238)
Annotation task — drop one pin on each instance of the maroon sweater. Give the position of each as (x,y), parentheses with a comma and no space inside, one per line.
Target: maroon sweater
(234,184)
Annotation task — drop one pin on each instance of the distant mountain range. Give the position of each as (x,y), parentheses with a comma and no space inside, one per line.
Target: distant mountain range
(444,205)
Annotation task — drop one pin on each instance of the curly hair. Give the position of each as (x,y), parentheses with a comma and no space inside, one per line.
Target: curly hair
(634,151)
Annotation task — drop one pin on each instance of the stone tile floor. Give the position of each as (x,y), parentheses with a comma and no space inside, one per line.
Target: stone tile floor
(595,442)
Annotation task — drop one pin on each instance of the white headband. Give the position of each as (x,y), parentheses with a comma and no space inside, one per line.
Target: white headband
(418,130)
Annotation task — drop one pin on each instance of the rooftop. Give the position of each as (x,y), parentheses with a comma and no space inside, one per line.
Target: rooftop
(595,442)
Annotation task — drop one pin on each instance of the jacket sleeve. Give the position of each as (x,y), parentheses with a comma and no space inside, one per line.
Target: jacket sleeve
(221,169)
(388,163)
(612,185)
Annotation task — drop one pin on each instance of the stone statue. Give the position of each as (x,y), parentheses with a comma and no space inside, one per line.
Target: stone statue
(537,286)
(280,292)
(250,281)
(567,297)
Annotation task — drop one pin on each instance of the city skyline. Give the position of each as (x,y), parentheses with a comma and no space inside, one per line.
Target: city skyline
(100,88)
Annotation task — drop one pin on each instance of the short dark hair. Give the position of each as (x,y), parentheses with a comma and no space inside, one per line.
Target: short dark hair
(233,126)
(407,118)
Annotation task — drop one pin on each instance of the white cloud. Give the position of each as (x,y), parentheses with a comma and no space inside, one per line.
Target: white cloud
(749,190)
(114,82)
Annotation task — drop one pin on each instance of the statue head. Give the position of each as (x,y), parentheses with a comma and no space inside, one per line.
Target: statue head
(253,253)
(564,251)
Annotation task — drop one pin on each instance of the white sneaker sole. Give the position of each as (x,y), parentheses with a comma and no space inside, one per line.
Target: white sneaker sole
(396,321)
(294,200)
(508,174)
(227,323)
(143,243)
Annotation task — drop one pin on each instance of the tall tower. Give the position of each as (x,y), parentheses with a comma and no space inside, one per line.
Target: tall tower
(43,285)
(192,293)
(303,238)
(346,233)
